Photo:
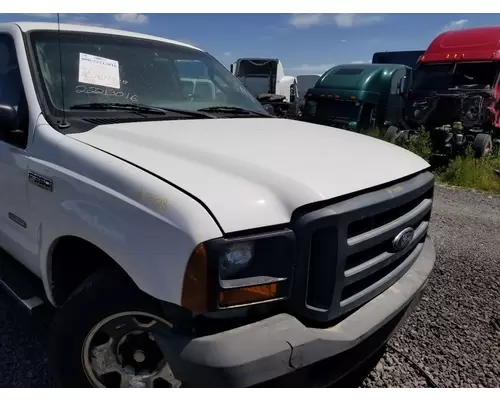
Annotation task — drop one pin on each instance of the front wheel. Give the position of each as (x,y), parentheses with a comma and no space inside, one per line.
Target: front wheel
(102,337)
(391,133)
(482,145)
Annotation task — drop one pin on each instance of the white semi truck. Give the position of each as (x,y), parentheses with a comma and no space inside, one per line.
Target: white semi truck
(266,80)
(182,235)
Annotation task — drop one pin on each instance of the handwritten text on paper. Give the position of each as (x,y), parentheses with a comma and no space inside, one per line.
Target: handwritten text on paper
(100,71)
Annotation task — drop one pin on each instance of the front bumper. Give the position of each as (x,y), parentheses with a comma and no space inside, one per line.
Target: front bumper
(282,346)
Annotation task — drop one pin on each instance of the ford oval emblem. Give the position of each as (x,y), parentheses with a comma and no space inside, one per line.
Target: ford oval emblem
(403,239)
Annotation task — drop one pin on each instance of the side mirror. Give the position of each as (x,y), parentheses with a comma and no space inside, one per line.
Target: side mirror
(8,118)
(402,85)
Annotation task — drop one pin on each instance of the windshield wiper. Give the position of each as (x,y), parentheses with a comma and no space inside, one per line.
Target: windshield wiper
(119,106)
(139,108)
(233,110)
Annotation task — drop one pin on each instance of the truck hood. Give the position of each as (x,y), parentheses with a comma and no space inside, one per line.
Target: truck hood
(254,172)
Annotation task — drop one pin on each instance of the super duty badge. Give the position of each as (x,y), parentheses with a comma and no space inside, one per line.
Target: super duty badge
(40,181)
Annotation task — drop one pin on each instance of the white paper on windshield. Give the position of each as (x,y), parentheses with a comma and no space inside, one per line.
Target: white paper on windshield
(100,71)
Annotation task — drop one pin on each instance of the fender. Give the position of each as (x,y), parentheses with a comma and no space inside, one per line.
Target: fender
(147,226)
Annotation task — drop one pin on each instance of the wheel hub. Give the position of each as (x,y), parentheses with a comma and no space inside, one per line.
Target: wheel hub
(121,351)
(140,351)
(139,356)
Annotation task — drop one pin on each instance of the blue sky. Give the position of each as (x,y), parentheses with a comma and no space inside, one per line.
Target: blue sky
(306,43)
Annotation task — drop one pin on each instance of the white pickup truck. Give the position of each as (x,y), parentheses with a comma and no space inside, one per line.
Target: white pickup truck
(185,237)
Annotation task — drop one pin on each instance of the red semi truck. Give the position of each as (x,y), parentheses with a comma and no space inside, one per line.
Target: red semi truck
(455,92)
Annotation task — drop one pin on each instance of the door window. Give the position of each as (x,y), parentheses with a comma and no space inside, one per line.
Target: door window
(11,90)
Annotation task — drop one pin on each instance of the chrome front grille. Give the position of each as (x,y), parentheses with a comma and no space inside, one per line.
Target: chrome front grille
(346,255)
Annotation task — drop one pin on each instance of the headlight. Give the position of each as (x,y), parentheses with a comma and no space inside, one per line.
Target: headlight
(233,272)
(235,258)
(353,125)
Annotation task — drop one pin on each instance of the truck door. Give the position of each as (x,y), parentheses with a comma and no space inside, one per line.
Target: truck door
(395,102)
(17,236)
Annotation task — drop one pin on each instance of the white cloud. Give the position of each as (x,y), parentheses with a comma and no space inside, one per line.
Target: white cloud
(227,54)
(353,20)
(304,21)
(132,18)
(343,40)
(454,25)
(305,69)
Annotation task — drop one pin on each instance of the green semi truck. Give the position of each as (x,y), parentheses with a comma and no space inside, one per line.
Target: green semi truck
(358,97)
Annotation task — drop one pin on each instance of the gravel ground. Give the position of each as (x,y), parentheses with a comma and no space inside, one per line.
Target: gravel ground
(23,359)
(454,334)
(451,340)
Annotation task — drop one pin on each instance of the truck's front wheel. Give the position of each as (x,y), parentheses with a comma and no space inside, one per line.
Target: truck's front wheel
(102,337)
(482,145)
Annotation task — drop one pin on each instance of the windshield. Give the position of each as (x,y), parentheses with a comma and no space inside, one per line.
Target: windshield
(408,58)
(257,84)
(101,68)
(435,77)
(306,82)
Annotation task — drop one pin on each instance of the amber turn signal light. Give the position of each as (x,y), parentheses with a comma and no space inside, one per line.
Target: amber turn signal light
(248,295)
(195,285)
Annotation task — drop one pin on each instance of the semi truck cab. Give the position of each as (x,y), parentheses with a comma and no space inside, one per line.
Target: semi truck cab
(357,96)
(455,91)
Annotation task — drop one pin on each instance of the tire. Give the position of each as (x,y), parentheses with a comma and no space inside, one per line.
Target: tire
(482,145)
(104,294)
(391,133)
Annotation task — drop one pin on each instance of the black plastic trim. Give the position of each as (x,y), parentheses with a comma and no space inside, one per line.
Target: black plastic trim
(339,216)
